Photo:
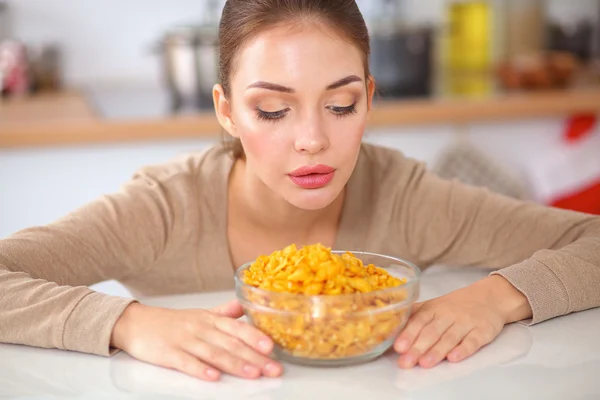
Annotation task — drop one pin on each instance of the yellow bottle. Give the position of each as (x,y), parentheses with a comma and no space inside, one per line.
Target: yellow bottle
(469,41)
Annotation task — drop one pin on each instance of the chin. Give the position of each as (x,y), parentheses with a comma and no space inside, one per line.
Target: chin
(313,199)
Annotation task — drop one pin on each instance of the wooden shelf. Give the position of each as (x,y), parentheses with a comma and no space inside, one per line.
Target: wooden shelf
(68,119)
(501,108)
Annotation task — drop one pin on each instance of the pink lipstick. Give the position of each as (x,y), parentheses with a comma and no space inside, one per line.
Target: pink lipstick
(312,176)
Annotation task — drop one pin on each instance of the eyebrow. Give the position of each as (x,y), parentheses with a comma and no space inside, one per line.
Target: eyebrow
(284,89)
(343,82)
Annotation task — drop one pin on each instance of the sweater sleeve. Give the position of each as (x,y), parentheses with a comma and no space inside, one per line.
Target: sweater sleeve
(45,271)
(552,256)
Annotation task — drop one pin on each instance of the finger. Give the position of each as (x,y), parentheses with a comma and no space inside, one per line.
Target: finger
(472,342)
(232,309)
(449,340)
(222,359)
(429,335)
(240,349)
(410,332)
(250,335)
(188,364)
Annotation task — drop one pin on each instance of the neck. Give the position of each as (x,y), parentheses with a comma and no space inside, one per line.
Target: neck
(260,207)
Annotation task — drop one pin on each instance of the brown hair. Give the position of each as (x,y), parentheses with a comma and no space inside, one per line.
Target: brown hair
(243,19)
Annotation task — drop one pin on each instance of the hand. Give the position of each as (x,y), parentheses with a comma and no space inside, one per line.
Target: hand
(200,343)
(457,325)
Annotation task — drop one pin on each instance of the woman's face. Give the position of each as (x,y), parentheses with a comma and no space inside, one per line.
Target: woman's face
(299,104)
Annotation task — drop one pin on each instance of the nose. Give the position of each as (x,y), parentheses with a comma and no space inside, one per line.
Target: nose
(311,137)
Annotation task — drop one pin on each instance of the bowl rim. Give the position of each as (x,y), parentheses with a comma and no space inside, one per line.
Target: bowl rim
(322,297)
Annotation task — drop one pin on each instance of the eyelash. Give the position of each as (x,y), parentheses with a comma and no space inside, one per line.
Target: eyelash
(275,116)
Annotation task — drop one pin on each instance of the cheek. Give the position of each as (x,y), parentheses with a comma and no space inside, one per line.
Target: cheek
(261,141)
(349,133)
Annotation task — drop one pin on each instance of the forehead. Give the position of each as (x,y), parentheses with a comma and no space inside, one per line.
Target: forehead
(307,55)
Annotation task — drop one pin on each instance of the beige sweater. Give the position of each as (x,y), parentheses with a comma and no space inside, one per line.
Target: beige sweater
(165,232)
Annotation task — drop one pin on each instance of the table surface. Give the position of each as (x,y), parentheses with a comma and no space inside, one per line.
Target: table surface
(557,359)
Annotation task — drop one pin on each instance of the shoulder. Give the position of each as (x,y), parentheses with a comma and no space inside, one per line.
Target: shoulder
(385,165)
(191,166)
(185,181)
(189,187)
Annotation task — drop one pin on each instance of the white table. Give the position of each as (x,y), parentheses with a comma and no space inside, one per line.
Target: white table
(558,359)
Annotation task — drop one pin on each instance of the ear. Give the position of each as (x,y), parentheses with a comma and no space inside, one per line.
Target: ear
(370,92)
(223,110)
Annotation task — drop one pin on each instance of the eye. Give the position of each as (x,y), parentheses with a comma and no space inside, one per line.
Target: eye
(271,116)
(341,112)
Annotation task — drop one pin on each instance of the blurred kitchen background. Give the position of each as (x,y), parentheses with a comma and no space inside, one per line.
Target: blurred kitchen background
(499,93)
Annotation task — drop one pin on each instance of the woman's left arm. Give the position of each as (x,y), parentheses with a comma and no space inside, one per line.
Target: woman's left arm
(548,263)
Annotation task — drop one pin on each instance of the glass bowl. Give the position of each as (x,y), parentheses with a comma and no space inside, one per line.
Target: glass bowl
(333,330)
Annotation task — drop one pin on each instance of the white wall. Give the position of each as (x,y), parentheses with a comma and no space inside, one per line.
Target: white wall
(102,39)
(109,40)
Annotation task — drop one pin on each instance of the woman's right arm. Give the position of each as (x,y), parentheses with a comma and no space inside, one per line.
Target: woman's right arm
(45,302)
(45,271)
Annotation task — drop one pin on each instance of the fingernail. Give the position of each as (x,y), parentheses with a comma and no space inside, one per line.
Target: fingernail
(212,374)
(250,370)
(429,360)
(272,369)
(402,345)
(454,356)
(265,345)
(408,361)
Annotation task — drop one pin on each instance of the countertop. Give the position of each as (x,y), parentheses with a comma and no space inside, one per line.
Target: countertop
(112,115)
(557,359)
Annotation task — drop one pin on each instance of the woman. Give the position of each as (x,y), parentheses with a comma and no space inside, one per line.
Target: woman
(294,97)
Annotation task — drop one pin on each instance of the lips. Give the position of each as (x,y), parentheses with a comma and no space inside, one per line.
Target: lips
(312,176)
(312,169)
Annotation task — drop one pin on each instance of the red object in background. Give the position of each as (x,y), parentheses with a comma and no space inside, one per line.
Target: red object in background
(585,198)
(13,68)
(579,126)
